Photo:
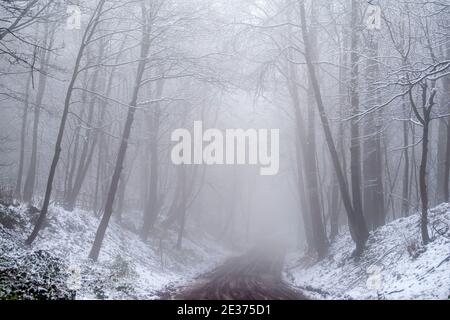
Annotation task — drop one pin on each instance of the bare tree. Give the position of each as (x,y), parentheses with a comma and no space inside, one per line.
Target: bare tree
(26,106)
(427,103)
(355,217)
(147,20)
(28,189)
(87,36)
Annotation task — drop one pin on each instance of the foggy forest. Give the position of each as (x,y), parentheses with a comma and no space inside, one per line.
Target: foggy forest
(224,149)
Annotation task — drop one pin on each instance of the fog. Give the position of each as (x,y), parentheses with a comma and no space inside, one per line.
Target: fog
(199,69)
(340,110)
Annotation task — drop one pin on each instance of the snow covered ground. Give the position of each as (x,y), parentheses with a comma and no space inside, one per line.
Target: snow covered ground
(394,266)
(127,268)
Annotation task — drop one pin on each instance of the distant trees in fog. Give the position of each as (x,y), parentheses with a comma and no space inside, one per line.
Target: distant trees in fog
(368,109)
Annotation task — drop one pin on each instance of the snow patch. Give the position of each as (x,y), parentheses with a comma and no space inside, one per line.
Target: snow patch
(128,268)
(395,265)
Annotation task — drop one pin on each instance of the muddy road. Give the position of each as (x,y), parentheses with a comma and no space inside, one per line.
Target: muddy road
(256,275)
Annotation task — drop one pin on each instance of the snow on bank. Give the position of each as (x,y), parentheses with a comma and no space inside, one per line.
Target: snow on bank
(128,268)
(394,266)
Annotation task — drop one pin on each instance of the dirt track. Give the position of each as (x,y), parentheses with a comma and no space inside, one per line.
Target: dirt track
(253,276)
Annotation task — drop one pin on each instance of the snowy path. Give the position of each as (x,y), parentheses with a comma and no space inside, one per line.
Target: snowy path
(256,275)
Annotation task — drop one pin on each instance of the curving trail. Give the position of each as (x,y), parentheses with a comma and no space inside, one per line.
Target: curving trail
(253,276)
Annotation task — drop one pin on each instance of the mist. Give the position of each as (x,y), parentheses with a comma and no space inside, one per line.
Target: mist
(165,141)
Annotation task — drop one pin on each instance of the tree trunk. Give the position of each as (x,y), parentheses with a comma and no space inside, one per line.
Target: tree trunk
(310,162)
(86,38)
(23,131)
(312,184)
(373,182)
(446,103)
(30,180)
(121,198)
(72,157)
(405,188)
(423,182)
(355,143)
(427,105)
(152,206)
(182,208)
(306,149)
(307,174)
(89,142)
(303,203)
(99,134)
(145,47)
(334,210)
(356,220)
(343,64)
(445,187)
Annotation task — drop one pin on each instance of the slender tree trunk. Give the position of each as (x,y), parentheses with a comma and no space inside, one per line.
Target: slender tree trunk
(299,144)
(182,208)
(343,63)
(427,105)
(152,206)
(172,213)
(355,143)
(30,180)
(86,38)
(334,210)
(356,220)
(446,173)
(121,198)
(379,190)
(97,178)
(152,201)
(310,162)
(23,131)
(372,161)
(312,184)
(446,104)
(405,188)
(100,135)
(423,183)
(72,158)
(303,202)
(414,178)
(307,168)
(306,149)
(89,142)
(145,47)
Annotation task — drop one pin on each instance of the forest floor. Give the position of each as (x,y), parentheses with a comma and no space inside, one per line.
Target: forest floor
(395,264)
(56,265)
